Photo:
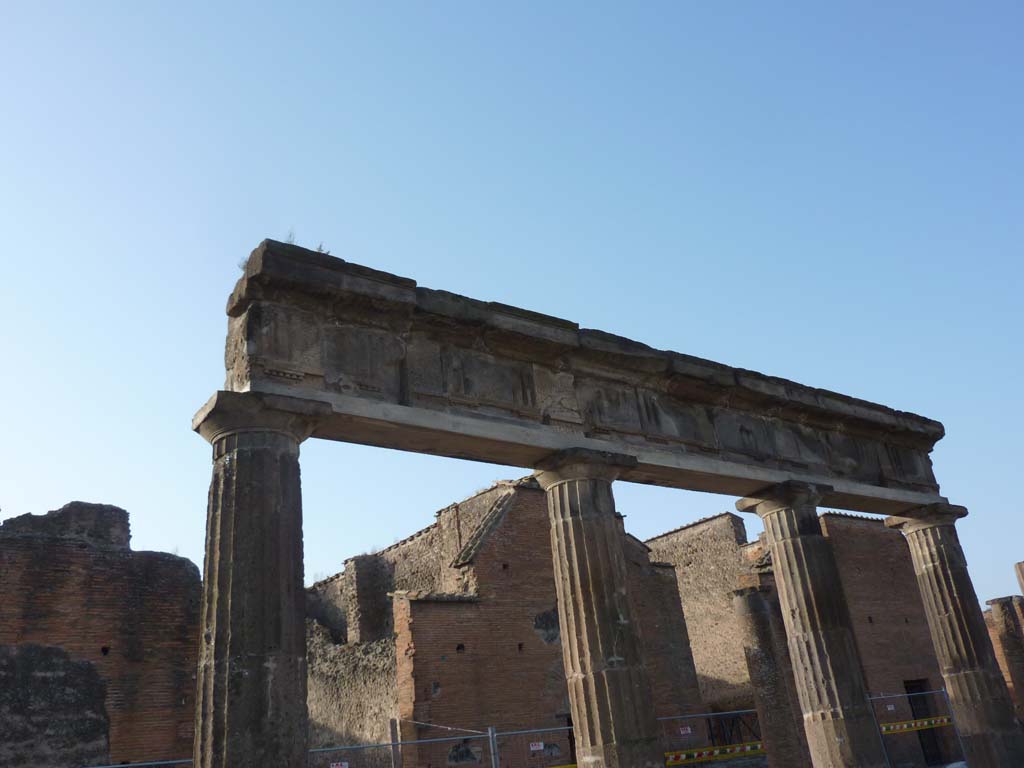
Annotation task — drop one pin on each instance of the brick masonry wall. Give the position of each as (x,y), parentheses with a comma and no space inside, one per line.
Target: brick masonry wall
(497,660)
(888,619)
(134,615)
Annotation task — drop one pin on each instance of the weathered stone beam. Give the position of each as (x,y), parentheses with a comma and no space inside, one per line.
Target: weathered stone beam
(386,425)
(408,367)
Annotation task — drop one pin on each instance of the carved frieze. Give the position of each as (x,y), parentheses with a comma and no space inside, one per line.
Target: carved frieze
(314,326)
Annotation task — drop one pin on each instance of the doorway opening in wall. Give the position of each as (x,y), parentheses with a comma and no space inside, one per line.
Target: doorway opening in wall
(920,708)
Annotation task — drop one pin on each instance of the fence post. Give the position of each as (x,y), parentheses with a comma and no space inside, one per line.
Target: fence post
(878,728)
(396,751)
(492,739)
(956,728)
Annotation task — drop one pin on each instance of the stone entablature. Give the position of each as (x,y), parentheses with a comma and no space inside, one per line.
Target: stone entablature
(407,367)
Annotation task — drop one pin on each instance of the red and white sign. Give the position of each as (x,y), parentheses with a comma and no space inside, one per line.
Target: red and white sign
(339,765)
(536,746)
(685,730)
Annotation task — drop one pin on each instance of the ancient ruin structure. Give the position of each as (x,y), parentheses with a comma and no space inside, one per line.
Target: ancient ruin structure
(458,624)
(96,637)
(887,618)
(320,347)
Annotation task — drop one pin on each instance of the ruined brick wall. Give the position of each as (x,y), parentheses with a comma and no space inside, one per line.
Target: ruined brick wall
(52,709)
(492,658)
(134,615)
(709,565)
(354,604)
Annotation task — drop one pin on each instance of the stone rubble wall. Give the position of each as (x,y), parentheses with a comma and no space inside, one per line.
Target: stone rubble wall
(352,694)
(52,709)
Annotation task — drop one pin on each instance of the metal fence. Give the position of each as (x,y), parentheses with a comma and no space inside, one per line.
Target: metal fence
(918,729)
(713,738)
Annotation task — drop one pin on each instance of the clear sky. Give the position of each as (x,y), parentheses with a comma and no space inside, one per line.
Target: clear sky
(830,192)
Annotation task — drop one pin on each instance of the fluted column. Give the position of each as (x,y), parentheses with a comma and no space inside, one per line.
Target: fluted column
(609,692)
(764,646)
(840,727)
(1009,633)
(977,691)
(251,687)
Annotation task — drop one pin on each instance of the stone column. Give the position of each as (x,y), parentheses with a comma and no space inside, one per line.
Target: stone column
(1009,634)
(976,688)
(609,692)
(778,713)
(1019,569)
(251,688)
(840,726)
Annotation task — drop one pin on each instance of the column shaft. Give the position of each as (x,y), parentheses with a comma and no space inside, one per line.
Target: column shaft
(841,730)
(609,692)
(251,702)
(977,691)
(778,713)
(1009,634)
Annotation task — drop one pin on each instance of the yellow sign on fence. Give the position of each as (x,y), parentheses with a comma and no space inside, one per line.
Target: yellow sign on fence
(711,754)
(917,725)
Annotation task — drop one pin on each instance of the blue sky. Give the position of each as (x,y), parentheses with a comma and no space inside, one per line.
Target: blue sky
(827,192)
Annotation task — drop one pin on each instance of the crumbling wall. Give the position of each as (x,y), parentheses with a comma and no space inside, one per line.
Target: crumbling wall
(352,695)
(52,709)
(354,604)
(709,565)
(134,615)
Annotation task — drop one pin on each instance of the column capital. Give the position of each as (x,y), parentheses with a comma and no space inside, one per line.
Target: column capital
(229,412)
(791,493)
(581,464)
(928,516)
